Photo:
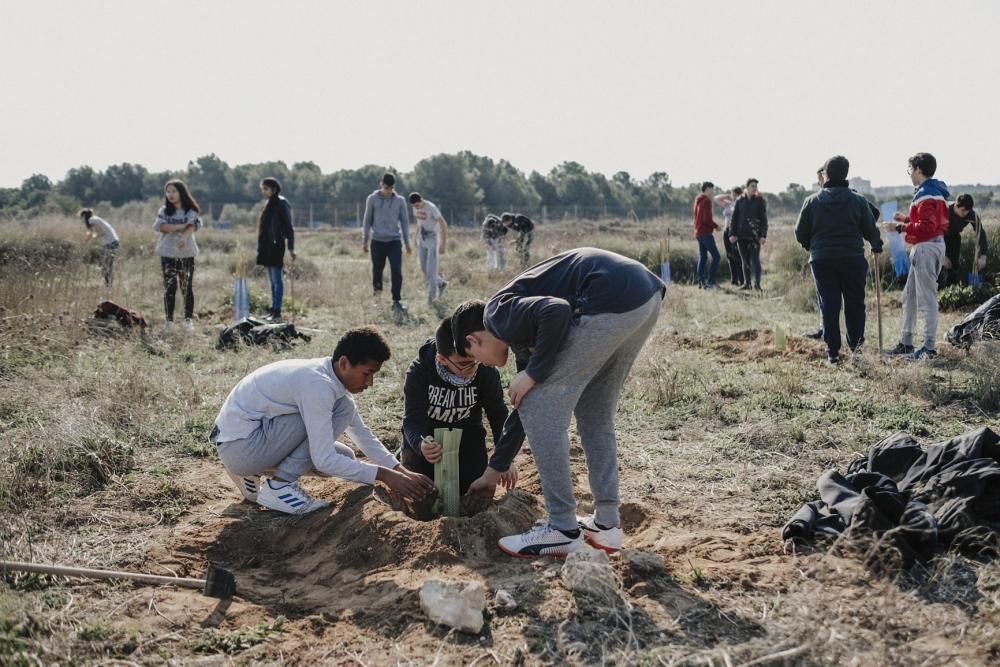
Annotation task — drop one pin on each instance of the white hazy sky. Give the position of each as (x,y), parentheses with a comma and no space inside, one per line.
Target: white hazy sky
(700,89)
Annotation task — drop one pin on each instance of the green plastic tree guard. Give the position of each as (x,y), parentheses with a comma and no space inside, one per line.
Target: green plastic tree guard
(446,471)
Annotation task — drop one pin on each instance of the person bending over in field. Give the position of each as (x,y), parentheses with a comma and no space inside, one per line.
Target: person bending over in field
(284,420)
(443,389)
(433,229)
(525,229)
(576,323)
(98,227)
(496,249)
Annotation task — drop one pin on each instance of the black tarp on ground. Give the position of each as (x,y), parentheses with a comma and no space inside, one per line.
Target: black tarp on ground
(919,499)
(983,322)
(251,331)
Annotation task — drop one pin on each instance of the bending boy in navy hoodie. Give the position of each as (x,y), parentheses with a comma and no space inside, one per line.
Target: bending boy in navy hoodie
(576,323)
(446,390)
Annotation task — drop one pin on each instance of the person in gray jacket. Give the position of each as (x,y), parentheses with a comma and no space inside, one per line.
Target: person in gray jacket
(387,227)
(177,221)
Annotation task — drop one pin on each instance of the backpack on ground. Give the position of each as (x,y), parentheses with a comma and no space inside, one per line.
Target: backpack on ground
(251,331)
(110,311)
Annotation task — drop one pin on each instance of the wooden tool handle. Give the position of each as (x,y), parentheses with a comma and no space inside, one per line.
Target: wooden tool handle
(64,571)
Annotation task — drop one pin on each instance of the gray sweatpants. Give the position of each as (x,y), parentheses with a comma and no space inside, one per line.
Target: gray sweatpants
(589,373)
(428,250)
(920,292)
(280,444)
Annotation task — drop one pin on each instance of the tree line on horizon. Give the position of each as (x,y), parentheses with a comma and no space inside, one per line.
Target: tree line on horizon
(460,181)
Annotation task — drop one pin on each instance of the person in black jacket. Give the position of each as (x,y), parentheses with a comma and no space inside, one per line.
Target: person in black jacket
(446,390)
(525,229)
(273,227)
(960,215)
(748,230)
(833,226)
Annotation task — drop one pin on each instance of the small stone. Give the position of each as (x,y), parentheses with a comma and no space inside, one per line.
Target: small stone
(589,571)
(642,563)
(456,604)
(504,600)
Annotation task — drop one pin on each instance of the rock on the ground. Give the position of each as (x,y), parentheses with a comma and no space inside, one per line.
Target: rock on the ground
(457,604)
(504,600)
(642,563)
(589,571)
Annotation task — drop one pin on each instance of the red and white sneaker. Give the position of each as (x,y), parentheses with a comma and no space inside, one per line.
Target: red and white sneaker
(599,537)
(542,540)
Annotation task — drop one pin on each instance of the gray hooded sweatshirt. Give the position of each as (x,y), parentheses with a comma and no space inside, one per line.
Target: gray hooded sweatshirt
(385,218)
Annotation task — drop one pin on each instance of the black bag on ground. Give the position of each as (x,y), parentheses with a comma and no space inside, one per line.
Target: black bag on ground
(251,331)
(109,310)
(982,323)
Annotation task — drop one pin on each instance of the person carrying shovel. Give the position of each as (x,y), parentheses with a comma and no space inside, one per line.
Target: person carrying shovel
(833,226)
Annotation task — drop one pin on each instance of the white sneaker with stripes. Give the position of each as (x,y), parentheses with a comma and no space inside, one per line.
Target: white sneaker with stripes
(542,540)
(287,497)
(246,486)
(609,539)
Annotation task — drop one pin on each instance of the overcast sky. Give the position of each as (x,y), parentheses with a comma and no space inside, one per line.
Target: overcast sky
(701,89)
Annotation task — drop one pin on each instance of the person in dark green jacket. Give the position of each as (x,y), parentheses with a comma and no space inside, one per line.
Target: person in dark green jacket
(833,226)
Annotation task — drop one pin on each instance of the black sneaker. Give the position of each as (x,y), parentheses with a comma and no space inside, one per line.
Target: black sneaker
(816,335)
(900,349)
(923,354)
(834,360)
(398,306)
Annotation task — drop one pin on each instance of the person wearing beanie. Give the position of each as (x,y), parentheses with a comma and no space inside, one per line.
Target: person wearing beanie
(832,226)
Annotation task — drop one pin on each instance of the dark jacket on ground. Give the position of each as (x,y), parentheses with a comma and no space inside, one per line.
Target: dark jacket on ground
(275,228)
(749,221)
(915,499)
(536,309)
(431,402)
(957,225)
(834,223)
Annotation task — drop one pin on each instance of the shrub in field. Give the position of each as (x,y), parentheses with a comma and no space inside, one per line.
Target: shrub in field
(37,253)
(300,269)
(963,297)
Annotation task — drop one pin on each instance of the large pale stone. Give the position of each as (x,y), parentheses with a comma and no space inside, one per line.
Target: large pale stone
(457,604)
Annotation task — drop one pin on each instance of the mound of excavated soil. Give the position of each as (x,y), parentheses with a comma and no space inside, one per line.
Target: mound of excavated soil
(757,344)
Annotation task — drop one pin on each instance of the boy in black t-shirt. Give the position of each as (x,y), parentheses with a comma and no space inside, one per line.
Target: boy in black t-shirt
(446,390)
(525,229)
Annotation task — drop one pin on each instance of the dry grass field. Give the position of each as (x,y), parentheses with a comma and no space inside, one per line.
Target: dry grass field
(105,462)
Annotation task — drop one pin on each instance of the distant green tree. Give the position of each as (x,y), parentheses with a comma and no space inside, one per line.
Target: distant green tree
(83,183)
(449,180)
(122,182)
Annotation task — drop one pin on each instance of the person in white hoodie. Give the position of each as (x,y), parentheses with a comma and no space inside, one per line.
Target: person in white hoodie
(177,221)
(98,227)
(284,420)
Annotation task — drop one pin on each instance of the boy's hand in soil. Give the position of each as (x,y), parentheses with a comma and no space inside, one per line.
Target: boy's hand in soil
(481,492)
(508,480)
(405,482)
(431,450)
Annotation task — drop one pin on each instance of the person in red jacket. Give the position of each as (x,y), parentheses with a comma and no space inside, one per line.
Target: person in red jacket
(704,231)
(924,229)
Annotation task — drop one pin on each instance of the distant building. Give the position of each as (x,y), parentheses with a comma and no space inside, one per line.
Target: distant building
(861,185)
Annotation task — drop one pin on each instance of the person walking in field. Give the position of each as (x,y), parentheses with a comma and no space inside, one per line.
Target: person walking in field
(284,420)
(832,226)
(525,229)
(99,228)
(576,323)
(177,221)
(433,230)
(924,229)
(274,228)
(443,389)
(496,249)
(728,204)
(748,230)
(387,226)
(704,233)
(960,216)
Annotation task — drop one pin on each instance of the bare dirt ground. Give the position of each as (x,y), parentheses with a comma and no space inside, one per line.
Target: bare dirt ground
(721,440)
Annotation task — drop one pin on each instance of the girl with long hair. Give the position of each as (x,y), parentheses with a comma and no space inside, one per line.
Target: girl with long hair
(274,227)
(177,221)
